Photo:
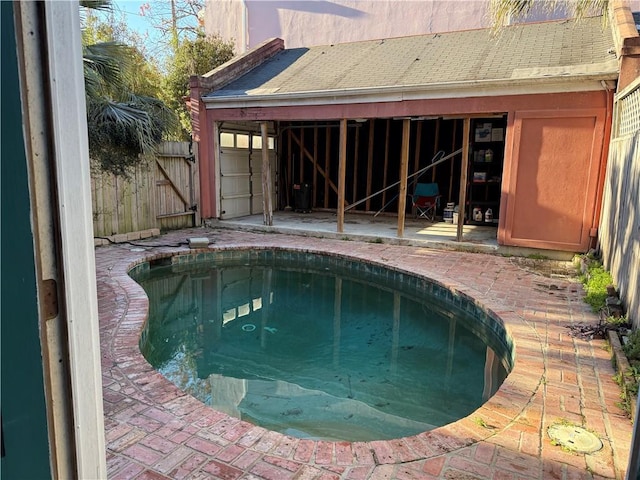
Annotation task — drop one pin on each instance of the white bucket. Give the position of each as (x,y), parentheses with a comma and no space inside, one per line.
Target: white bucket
(455,218)
(447,215)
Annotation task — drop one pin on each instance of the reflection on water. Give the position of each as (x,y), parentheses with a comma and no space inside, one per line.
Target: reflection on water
(316,355)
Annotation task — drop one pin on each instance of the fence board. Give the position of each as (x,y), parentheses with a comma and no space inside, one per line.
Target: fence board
(139,203)
(619,231)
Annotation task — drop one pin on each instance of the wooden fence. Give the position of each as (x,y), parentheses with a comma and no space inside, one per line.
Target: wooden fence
(619,232)
(162,193)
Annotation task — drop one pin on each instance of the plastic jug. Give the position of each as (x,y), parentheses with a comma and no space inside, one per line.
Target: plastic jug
(488,156)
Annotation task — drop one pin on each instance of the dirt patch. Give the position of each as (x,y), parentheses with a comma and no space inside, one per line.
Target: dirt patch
(547,268)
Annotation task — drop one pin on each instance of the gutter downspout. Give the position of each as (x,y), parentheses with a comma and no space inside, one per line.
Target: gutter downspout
(609,90)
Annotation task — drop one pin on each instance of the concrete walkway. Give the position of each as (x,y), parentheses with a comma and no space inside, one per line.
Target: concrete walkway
(367,227)
(154,431)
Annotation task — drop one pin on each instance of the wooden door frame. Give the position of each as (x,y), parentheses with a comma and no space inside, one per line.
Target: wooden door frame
(54,115)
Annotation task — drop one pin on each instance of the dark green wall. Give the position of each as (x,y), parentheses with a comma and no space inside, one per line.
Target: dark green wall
(24,421)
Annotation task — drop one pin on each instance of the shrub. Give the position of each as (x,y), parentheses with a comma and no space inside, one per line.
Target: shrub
(596,281)
(632,349)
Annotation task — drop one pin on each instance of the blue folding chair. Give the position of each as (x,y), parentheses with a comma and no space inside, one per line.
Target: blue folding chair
(425,200)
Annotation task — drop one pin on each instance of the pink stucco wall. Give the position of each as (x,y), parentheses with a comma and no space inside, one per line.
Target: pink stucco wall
(319,22)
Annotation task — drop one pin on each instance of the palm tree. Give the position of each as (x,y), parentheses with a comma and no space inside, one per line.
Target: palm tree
(123,125)
(502,11)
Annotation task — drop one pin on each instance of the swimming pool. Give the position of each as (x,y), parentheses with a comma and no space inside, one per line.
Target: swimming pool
(319,346)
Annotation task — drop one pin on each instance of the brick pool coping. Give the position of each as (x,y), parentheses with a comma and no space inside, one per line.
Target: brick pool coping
(155,431)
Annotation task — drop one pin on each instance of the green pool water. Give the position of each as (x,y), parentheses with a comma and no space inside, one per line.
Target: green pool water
(316,348)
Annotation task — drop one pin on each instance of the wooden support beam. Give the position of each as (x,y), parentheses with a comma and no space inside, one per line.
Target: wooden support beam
(174,215)
(308,155)
(355,167)
(327,166)
(315,166)
(416,157)
(342,171)
(404,171)
(267,207)
(386,161)
(370,162)
(174,187)
(301,160)
(451,165)
(436,144)
(466,127)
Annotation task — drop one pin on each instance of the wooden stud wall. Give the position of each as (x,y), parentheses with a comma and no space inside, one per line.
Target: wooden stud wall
(372,123)
(372,158)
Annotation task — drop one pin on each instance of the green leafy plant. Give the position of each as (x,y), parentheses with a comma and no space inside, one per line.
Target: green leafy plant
(480,422)
(634,373)
(628,382)
(595,282)
(632,349)
(616,321)
(625,401)
(195,56)
(537,256)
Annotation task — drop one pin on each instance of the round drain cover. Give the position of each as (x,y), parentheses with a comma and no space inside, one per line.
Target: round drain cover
(574,438)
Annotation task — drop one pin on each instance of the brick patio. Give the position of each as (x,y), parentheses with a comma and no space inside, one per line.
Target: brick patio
(154,431)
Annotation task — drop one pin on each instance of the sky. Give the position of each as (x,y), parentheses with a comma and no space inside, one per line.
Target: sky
(136,16)
(137,21)
(132,11)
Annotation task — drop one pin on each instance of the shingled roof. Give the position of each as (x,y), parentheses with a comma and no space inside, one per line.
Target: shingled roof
(525,53)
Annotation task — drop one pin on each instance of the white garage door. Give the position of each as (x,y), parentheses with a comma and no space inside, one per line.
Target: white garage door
(241,173)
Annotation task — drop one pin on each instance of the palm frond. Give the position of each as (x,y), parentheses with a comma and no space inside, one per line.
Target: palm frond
(96,4)
(504,12)
(93,83)
(586,8)
(166,119)
(128,125)
(119,134)
(103,62)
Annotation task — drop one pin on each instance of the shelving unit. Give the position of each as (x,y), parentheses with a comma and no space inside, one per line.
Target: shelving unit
(485,170)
